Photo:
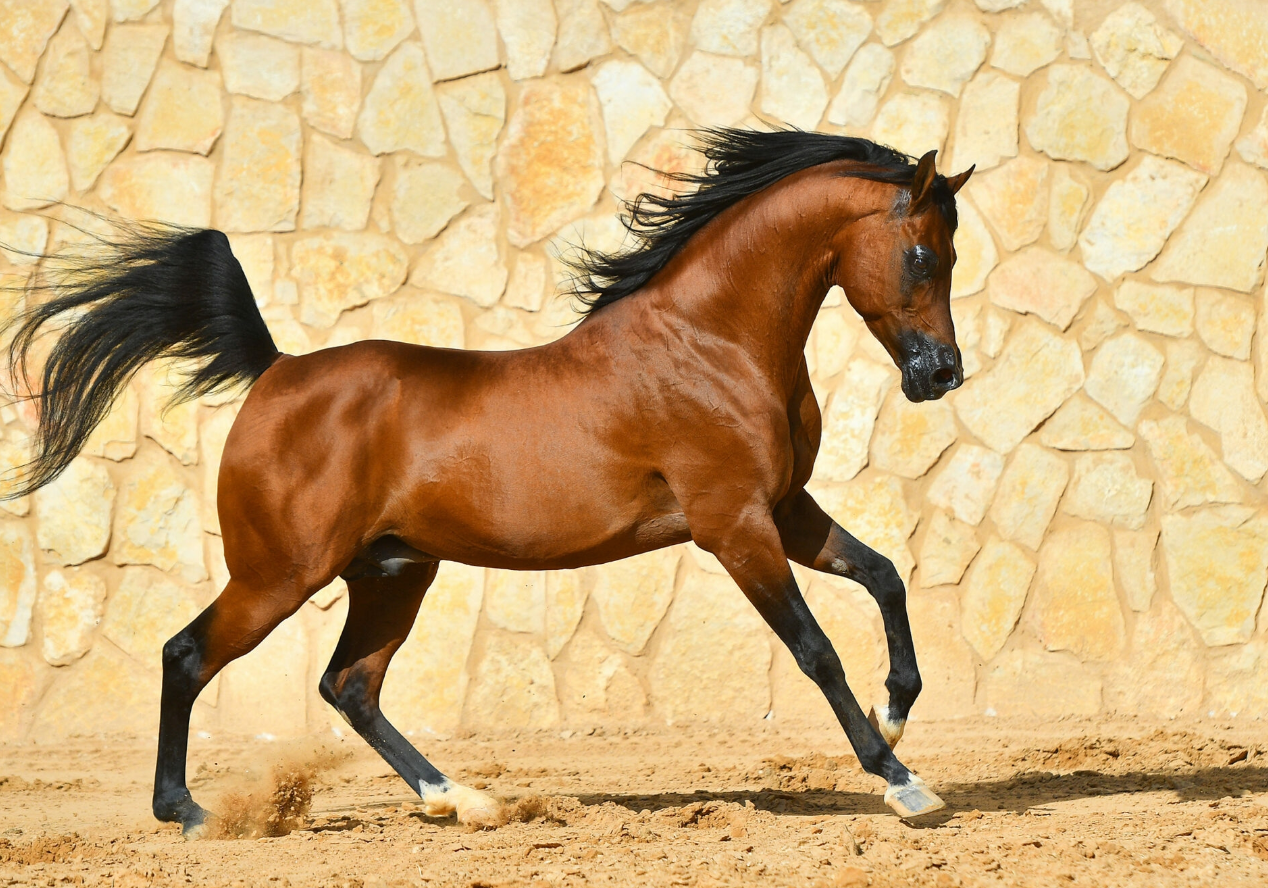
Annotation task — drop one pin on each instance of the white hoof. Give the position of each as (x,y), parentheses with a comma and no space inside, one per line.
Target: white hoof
(891,730)
(913,799)
(474,808)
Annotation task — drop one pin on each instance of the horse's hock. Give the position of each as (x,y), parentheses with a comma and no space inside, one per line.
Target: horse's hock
(1083,527)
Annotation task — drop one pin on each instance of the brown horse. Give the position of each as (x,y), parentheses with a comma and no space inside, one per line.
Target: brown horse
(679,409)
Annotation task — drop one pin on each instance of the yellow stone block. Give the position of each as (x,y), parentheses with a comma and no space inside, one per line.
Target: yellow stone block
(1194,116)
(1076,604)
(993,596)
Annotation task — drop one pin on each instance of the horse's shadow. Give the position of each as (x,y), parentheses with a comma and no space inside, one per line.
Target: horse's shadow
(1016,794)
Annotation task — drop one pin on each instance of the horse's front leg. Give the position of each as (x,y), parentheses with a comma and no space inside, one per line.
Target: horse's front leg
(753,554)
(812,538)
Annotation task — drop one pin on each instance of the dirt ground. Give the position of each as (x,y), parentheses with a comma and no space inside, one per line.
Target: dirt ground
(1102,802)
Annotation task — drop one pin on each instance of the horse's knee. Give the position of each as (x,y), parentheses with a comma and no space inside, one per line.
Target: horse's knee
(819,661)
(878,574)
(183,660)
(347,693)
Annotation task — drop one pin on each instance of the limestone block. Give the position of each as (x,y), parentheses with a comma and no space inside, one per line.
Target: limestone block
(1077,607)
(835,334)
(1224,399)
(156,522)
(373,28)
(793,89)
(425,196)
(830,30)
(1193,117)
(23,683)
(28,25)
(1236,205)
(182,110)
(913,123)
(464,260)
(909,438)
(257,185)
(899,19)
(1106,488)
(526,287)
(528,33)
(725,680)
(14,455)
(948,547)
(315,22)
(1080,116)
(342,270)
(599,688)
(194,29)
(654,35)
(330,83)
(94,142)
(1037,281)
(144,612)
(131,10)
(106,693)
(551,160)
(986,125)
(1035,684)
(1014,198)
(516,600)
(265,692)
(459,36)
(1025,43)
(1124,375)
(946,660)
(1028,495)
(865,81)
(474,109)
(74,512)
(1225,323)
(338,185)
(851,416)
(714,90)
(514,686)
(212,434)
(12,94)
(582,34)
(34,168)
(164,186)
(1134,49)
(976,255)
(966,483)
(633,595)
(1066,203)
(1182,359)
(423,320)
(994,595)
(946,54)
(25,236)
(128,60)
(1134,566)
(1189,472)
(1001,5)
(729,27)
(1081,425)
(566,594)
(1234,31)
(1236,683)
(427,684)
(1099,323)
(90,19)
(259,66)
(1253,147)
(1155,308)
(1217,560)
(401,112)
(632,101)
(115,438)
(255,253)
(17,583)
(1033,376)
(66,87)
(1133,220)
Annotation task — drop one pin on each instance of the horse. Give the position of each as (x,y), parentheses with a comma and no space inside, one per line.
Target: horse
(679,408)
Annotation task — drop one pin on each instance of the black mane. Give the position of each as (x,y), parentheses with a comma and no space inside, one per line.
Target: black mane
(740,163)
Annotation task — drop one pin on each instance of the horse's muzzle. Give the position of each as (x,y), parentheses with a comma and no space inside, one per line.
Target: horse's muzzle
(930,368)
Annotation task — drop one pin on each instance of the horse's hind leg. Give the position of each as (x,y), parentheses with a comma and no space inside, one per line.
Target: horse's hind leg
(238,620)
(381,611)
(812,538)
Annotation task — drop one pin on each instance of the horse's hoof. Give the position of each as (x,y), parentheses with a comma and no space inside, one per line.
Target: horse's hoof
(473,808)
(913,799)
(891,731)
(192,832)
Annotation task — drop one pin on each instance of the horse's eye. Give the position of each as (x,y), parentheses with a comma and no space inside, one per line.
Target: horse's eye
(922,261)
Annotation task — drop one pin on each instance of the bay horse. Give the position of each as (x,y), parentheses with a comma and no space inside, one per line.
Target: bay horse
(680,408)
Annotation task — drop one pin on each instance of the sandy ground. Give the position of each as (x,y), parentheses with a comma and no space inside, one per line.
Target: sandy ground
(1103,803)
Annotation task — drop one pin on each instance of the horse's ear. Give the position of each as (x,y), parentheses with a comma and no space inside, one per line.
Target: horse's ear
(955,183)
(922,184)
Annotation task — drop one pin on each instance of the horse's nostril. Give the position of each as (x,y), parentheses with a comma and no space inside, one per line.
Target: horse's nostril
(943,377)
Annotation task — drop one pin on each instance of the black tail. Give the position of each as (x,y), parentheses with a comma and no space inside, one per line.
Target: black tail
(152,292)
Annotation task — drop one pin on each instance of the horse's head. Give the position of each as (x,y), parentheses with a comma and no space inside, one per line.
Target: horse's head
(897,276)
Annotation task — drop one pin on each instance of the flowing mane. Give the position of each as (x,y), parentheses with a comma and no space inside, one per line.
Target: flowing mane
(740,163)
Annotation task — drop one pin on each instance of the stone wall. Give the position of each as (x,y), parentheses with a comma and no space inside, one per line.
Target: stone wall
(1083,525)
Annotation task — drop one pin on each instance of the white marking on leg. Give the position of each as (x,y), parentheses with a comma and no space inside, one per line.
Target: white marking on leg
(472,806)
(891,728)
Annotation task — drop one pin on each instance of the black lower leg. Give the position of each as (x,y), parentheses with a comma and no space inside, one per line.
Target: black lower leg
(182,682)
(881,580)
